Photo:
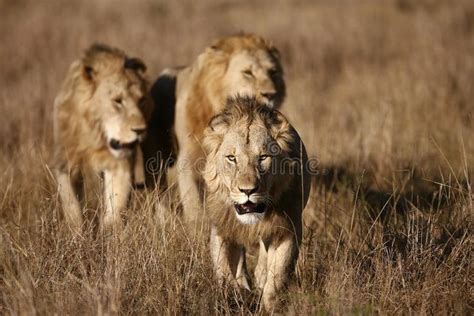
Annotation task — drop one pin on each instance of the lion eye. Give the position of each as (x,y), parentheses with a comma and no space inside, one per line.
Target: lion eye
(248,73)
(263,157)
(231,158)
(118,103)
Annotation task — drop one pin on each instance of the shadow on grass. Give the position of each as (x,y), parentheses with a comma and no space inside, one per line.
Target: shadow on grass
(416,213)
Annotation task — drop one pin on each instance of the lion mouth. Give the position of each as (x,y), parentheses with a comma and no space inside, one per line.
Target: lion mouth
(117,145)
(250,207)
(120,149)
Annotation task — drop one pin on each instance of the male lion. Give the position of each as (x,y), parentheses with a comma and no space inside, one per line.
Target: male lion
(236,65)
(257,187)
(99,119)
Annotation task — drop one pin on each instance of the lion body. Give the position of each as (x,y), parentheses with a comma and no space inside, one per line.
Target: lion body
(236,65)
(257,187)
(99,117)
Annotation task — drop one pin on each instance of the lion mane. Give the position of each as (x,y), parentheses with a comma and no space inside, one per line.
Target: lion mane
(207,89)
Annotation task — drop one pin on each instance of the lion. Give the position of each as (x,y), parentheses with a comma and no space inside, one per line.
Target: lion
(100,116)
(257,185)
(190,96)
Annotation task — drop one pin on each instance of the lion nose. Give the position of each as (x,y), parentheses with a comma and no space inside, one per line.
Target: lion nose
(249,191)
(270,96)
(139,130)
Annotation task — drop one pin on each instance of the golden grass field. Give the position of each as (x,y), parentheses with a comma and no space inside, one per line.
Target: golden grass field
(381,93)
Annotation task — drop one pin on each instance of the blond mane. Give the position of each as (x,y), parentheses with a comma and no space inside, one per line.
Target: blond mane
(207,73)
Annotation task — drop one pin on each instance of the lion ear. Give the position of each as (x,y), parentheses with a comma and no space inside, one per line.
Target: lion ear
(214,133)
(88,72)
(281,131)
(215,52)
(217,45)
(134,64)
(218,124)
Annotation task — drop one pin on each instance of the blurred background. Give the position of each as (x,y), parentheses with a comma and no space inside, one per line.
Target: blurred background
(380,91)
(380,83)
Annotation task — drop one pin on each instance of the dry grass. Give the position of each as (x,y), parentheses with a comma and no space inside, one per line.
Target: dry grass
(381,92)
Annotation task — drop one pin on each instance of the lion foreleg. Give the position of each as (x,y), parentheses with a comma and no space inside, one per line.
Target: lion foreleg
(261,268)
(241,273)
(188,189)
(280,264)
(68,196)
(229,261)
(220,256)
(116,193)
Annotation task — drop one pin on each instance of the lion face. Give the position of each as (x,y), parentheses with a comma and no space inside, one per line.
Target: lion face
(246,154)
(119,102)
(255,73)
(242,65)
(245,167)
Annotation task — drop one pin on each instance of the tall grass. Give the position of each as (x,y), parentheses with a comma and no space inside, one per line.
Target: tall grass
(381,93)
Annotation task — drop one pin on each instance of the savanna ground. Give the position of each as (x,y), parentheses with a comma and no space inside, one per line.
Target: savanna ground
(380,91)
